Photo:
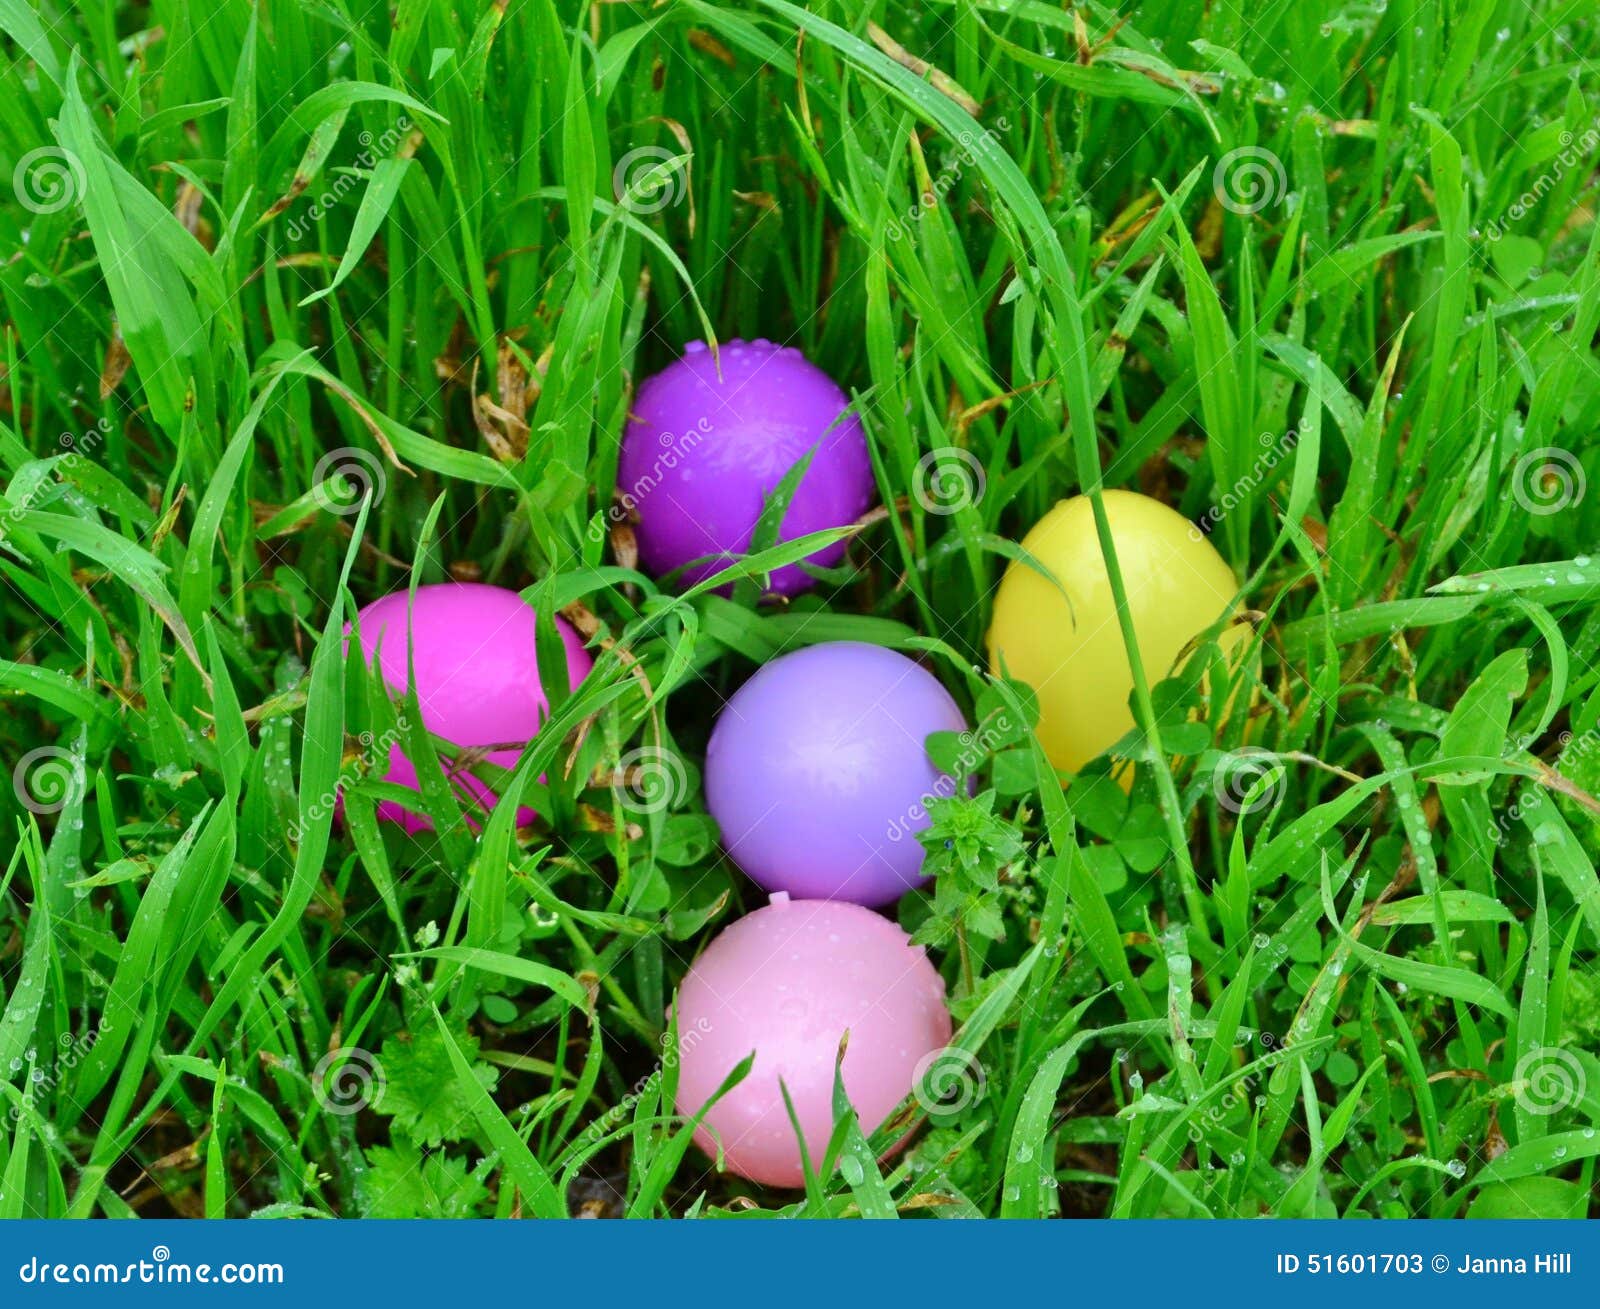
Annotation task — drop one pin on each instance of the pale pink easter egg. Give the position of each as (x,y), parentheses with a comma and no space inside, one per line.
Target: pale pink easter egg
(787,982)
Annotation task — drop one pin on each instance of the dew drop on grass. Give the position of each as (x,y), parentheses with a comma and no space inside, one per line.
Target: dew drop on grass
(850,1166)
(1136,1081)
(1237,1158)
(1560,1152)
(1024,1154)
(1456,1168)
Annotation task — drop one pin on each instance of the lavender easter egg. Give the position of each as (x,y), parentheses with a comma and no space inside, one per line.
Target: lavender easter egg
(703,452)
(818,773)
(787,982)
(477,678)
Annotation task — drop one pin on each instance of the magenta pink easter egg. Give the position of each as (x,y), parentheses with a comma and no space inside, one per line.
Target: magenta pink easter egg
(787,982)
(477,678)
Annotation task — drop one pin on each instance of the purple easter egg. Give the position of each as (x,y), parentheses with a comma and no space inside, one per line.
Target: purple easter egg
(818,772)
(477,678)
(702,454)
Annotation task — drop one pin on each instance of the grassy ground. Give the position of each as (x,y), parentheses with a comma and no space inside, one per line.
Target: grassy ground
(1324,276)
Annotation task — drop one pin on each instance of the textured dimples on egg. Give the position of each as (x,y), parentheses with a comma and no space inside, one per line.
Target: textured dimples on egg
(703,451)
(818,772)
(787,982)
(477,678)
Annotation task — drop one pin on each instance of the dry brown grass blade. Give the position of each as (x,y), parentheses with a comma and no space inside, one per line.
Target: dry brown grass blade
(940,81)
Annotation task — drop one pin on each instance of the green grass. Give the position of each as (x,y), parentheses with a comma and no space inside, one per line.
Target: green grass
(1336,956)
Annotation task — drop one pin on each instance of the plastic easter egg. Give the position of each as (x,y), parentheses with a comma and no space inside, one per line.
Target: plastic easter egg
(818,772)
(477,678)
(787,982)
(703,452)
(1072,655)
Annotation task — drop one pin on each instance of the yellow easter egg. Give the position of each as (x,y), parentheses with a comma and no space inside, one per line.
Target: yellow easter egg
(1072,655)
